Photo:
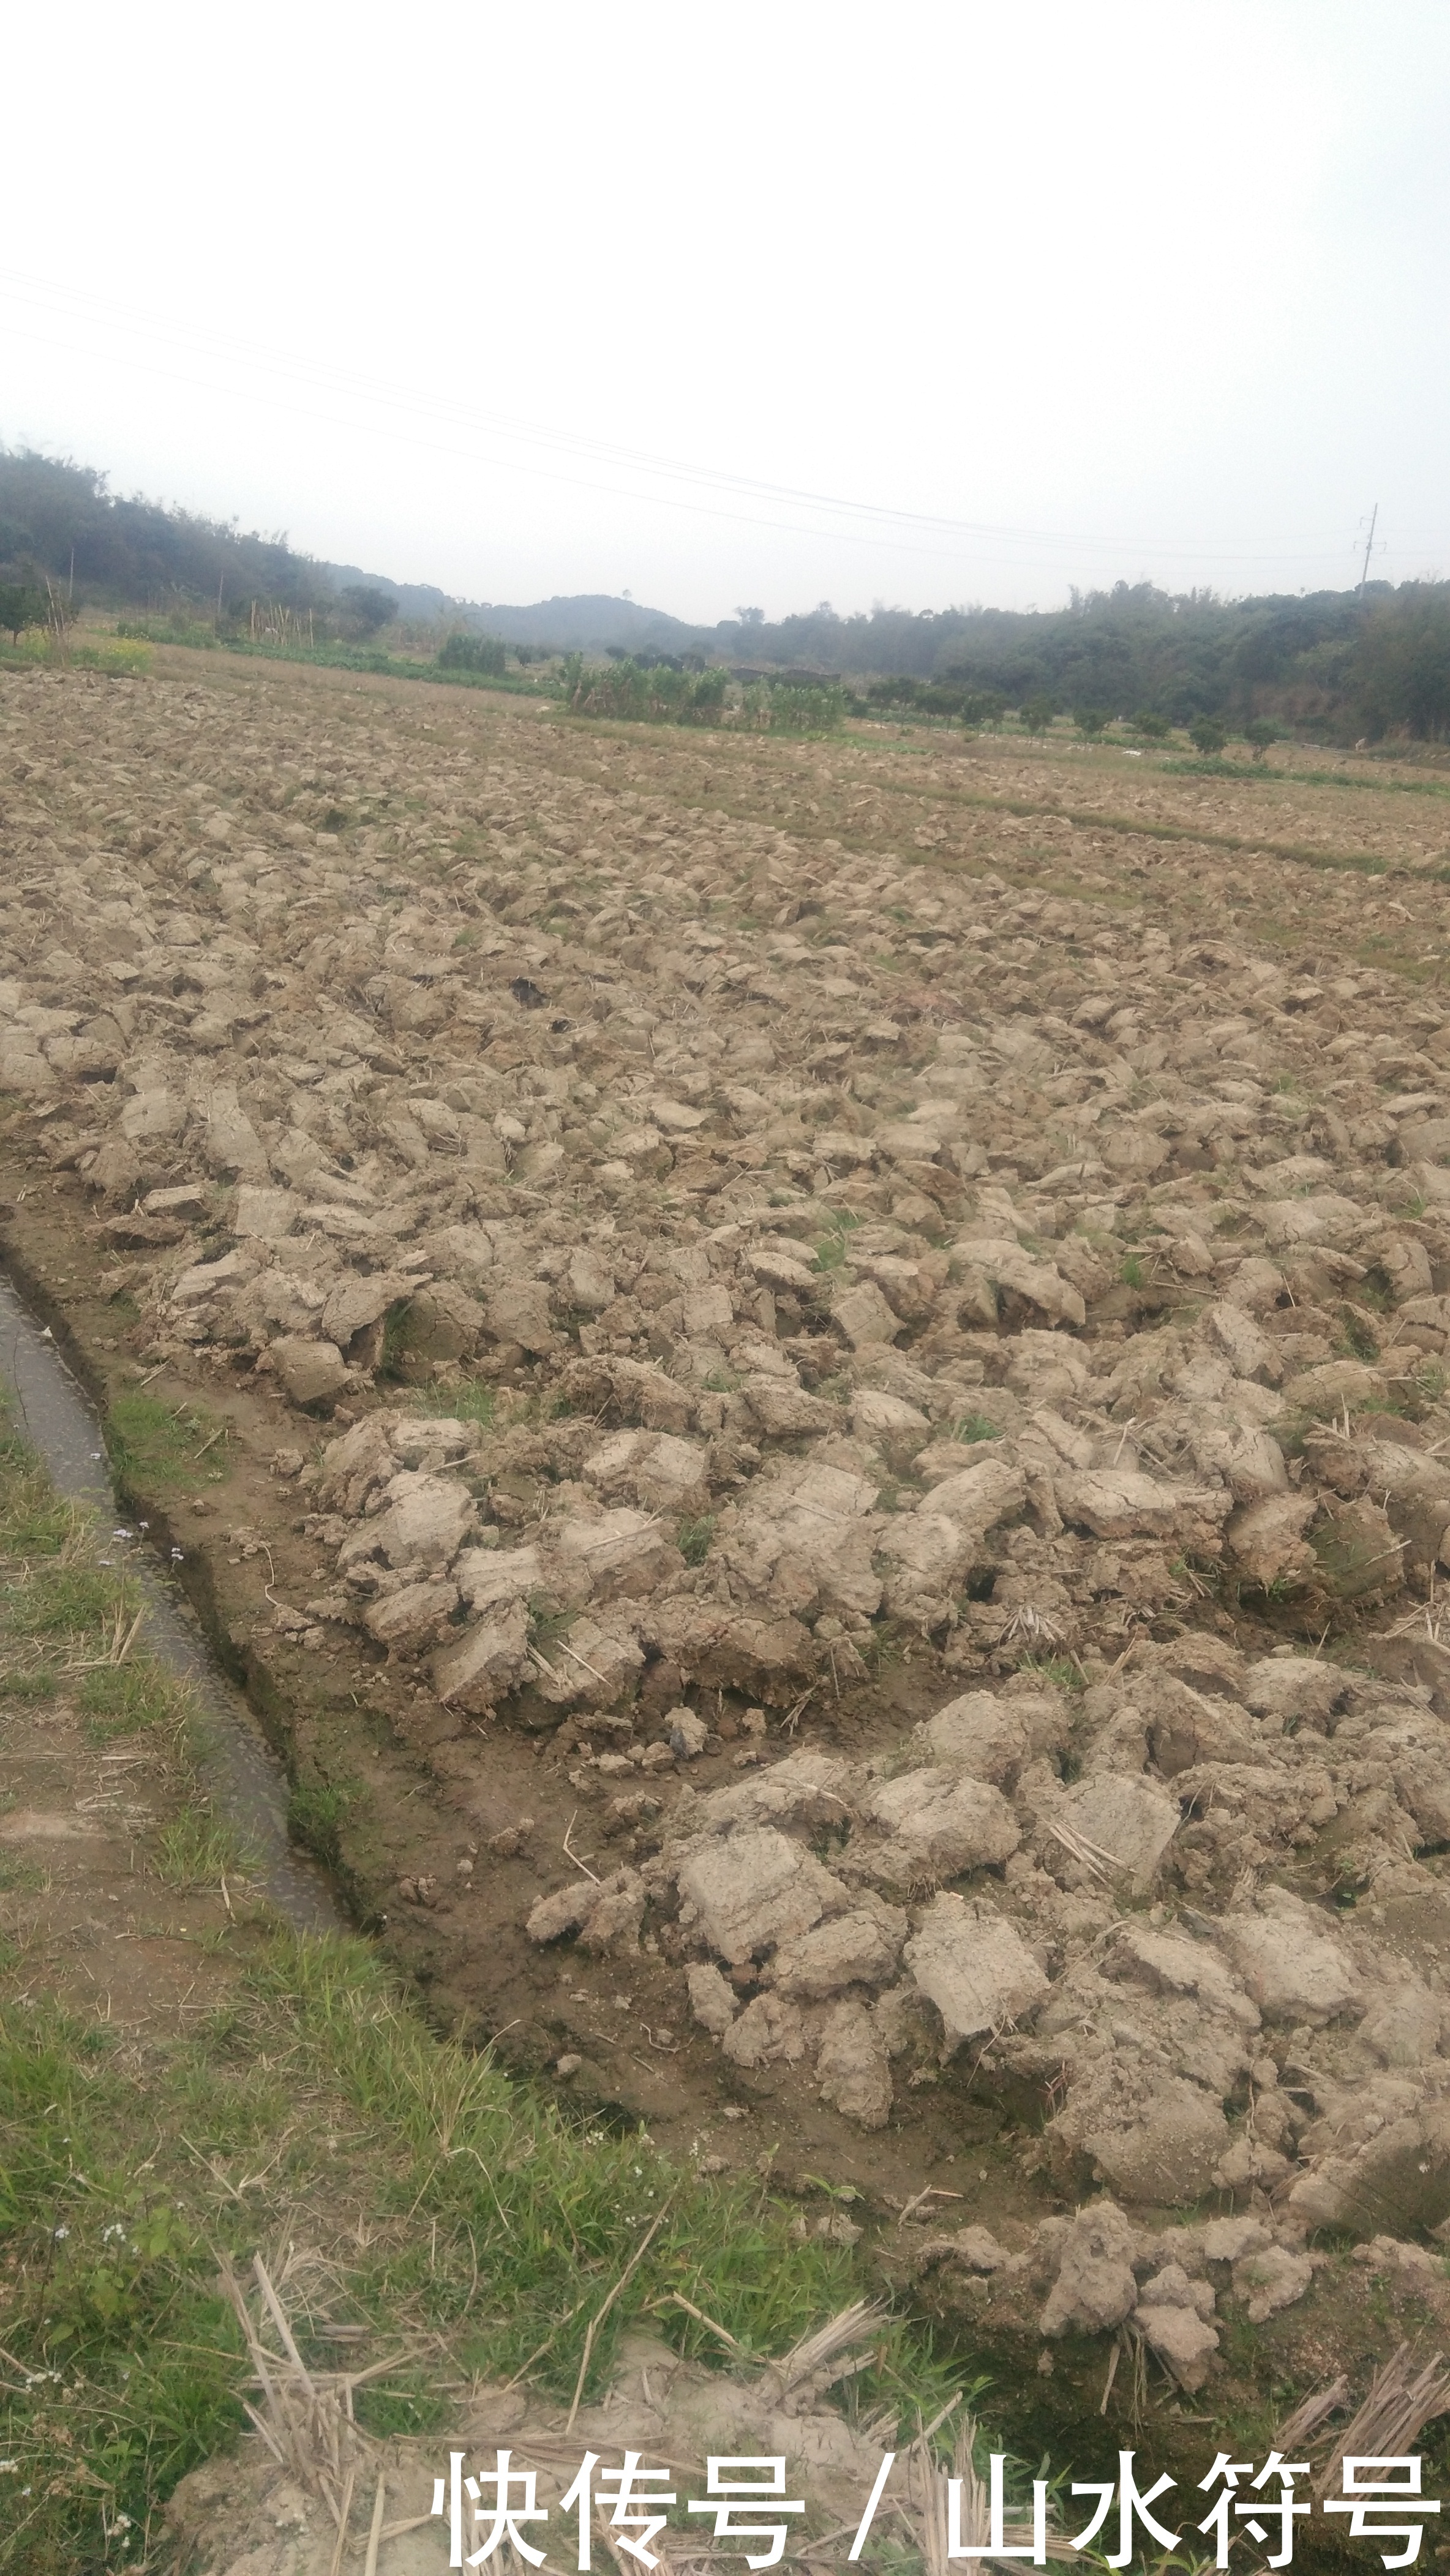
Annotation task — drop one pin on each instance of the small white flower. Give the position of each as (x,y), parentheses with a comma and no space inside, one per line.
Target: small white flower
(59,2232)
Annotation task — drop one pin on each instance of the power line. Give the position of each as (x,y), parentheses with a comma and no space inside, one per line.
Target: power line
(878,519)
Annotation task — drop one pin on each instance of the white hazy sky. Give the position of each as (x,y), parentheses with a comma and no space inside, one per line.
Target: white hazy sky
(753,303)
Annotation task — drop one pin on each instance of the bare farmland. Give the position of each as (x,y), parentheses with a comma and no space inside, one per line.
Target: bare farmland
(808,1382)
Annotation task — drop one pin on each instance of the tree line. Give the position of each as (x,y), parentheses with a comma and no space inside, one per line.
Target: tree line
(1339,665)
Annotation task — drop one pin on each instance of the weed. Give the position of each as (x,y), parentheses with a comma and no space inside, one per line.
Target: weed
(1292,1429)
(1132,1273)
(119,2288)
(52,1600)
(35,1521)
(973,1426)
(121,1699)
(832,1247)
(1059,1670)
(154,1446)
(881,1650)
(693,1538)
(394,1357)
(471,1400)
(315,1812)
(38,1683)
(199,1849)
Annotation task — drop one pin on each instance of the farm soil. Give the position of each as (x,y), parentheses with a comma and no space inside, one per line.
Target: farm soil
(806,1384)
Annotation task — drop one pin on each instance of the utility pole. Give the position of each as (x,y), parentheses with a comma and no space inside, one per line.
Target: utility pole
(1369,547)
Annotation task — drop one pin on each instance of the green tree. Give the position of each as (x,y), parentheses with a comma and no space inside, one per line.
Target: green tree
(366,608)
(1037,714)
(1400,676)
(21,605)
(1152,726)
(1207,736)
(1260,733)
(1091,721)
(983,707)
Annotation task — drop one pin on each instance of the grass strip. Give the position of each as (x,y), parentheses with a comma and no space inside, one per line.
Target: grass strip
(437,2202)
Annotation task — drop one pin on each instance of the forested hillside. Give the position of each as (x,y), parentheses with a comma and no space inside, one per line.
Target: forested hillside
(59,519)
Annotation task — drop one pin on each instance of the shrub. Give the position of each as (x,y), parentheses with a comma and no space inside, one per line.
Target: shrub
(21,605)
(1208,736)
(472,653)
(983,707)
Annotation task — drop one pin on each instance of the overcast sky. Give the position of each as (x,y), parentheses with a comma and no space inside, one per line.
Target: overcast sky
(756,303)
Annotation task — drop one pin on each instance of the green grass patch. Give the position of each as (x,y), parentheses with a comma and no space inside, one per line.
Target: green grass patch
(693,1538)
(63,1598)
(832,1248)
(399,1334)
(970,1427)
(315,1812)
(38,1683)
(199,1849)
(155,1446)
(312,2090)
(473,1399)
(107,2221)
(34,1519)
(1059,1670)
(122,1699)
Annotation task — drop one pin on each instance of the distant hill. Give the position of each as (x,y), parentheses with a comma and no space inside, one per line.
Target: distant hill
(588,623)
(585,623)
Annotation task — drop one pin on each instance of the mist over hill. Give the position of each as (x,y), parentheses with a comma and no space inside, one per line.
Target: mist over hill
(589,622)
(592,623)
(1341,664)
